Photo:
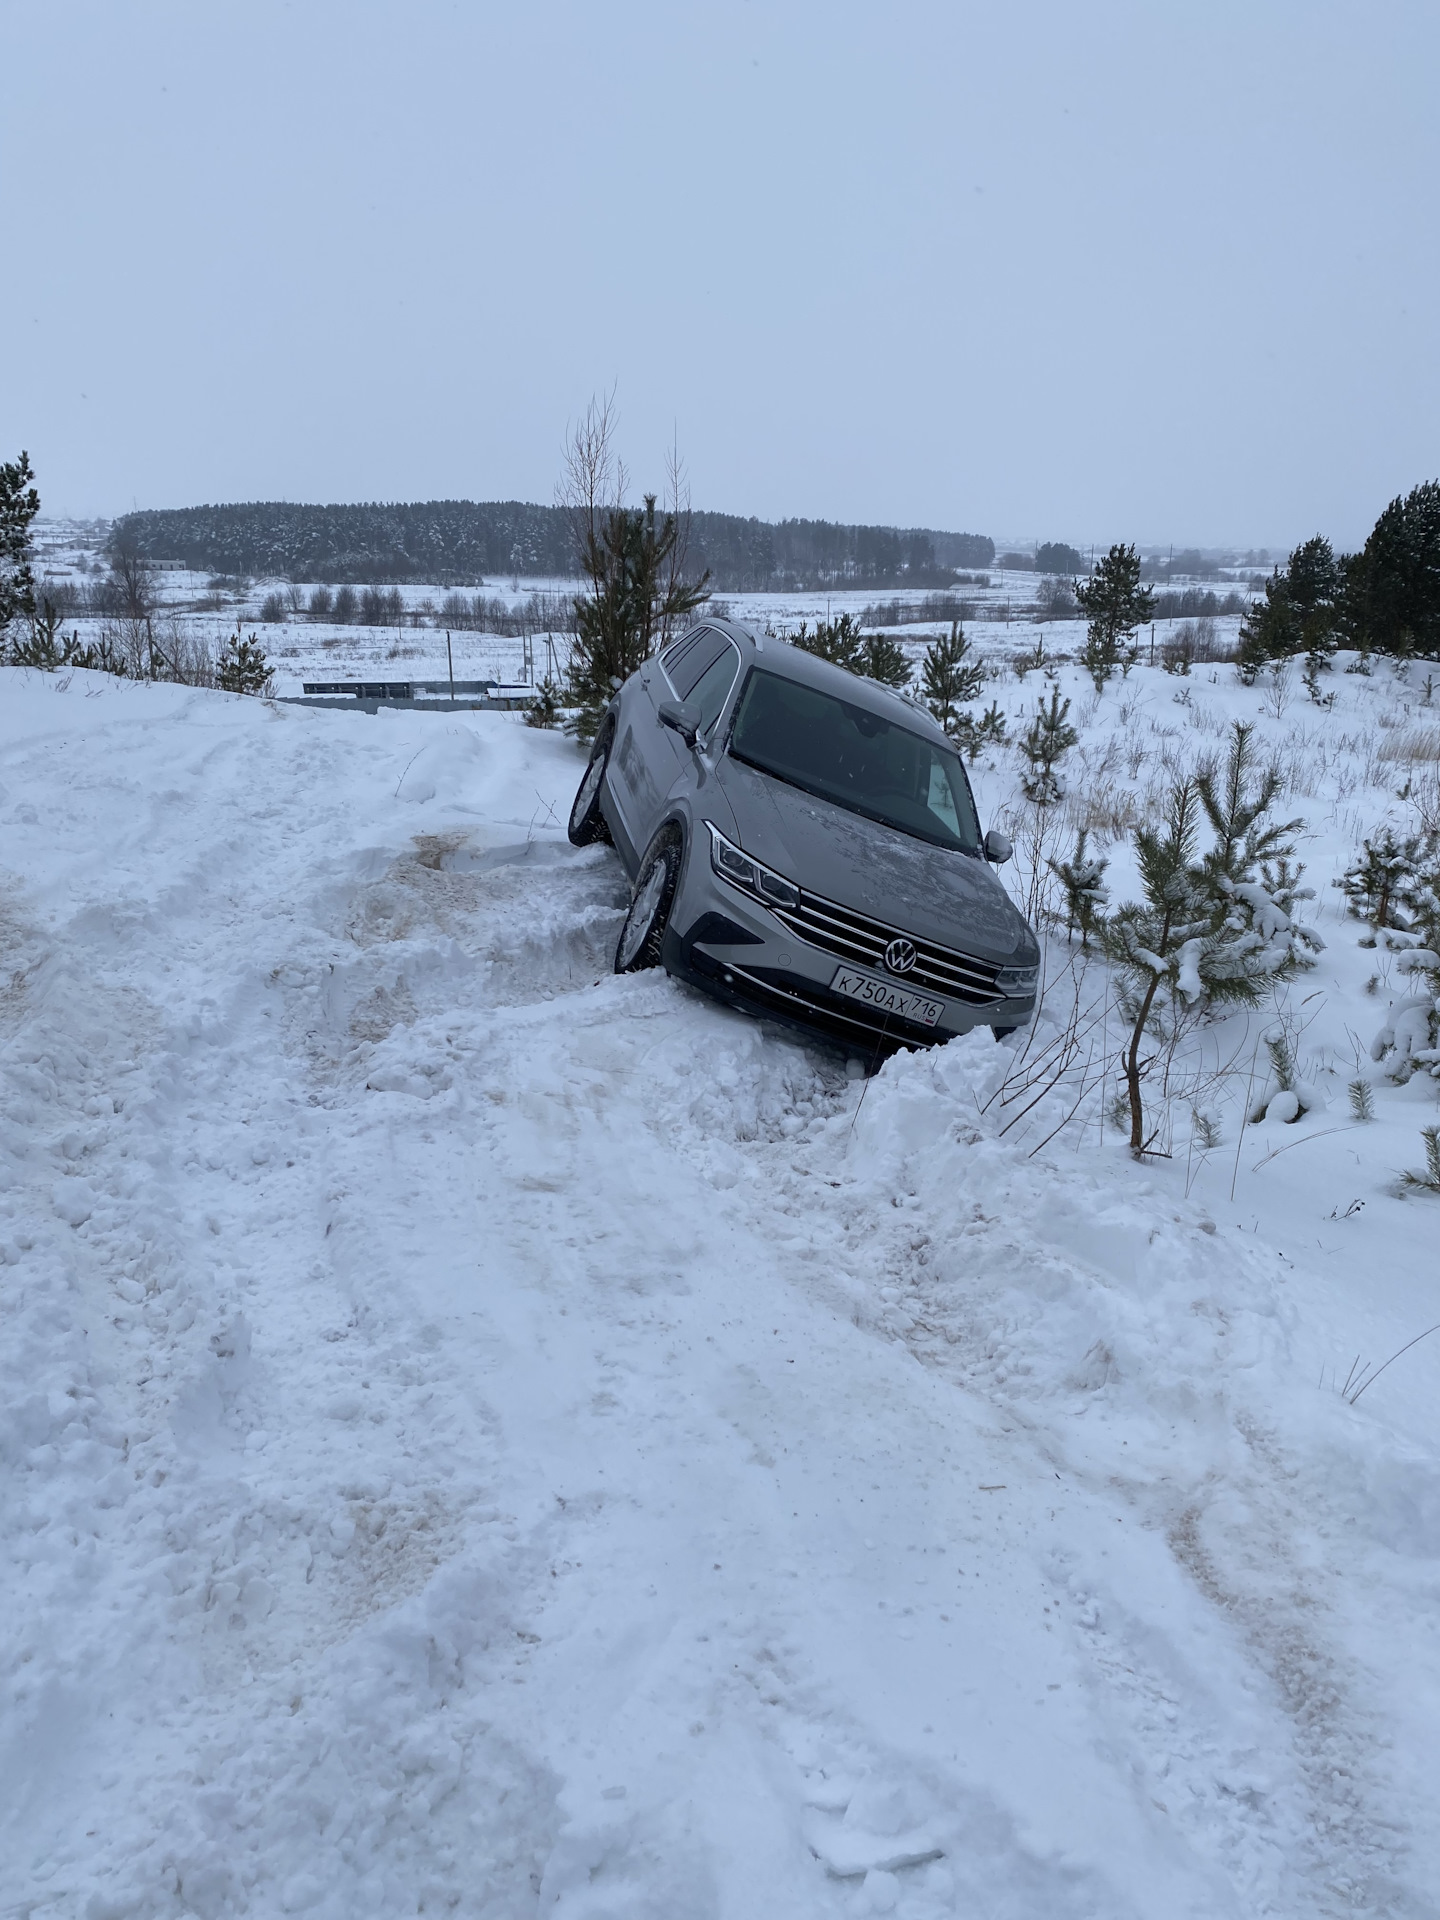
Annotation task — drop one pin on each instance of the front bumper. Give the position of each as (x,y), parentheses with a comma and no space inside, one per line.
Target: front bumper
(731,946)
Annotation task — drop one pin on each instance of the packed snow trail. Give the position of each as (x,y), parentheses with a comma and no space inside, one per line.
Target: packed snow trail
(484,1436)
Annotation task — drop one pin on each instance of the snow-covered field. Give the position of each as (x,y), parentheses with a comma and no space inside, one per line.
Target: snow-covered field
(483,1436)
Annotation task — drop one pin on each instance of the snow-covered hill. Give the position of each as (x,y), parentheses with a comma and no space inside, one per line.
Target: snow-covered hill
(482,1436)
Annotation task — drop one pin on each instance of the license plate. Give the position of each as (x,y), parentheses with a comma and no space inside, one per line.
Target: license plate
(876,993)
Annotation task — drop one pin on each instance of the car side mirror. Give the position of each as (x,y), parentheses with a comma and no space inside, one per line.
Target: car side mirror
(684,719)
(997,847)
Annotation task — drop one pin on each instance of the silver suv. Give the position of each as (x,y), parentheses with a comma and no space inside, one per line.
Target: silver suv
(803,843)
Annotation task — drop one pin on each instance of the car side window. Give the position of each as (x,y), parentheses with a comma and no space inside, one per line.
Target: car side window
(711,690)
(687,663)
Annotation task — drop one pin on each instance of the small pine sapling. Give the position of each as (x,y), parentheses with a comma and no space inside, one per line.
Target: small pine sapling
(1253,883)
(1182,946)
(1283,1098)
(1362,1099)
(1311,678)
(1034,662)
(950,678)
(972,736)
(544,709)
(1429,1181)
(1205,1129)
(1383,886)
(1409,1042)
(1082,877)
(1049,738)
(242,667)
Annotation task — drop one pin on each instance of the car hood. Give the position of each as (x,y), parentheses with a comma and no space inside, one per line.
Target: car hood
(952,898)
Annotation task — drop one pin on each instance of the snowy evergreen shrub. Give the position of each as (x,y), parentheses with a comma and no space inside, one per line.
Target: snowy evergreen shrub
(1048,739)
(1208,931)
(544,709)
(1389,882)
(1283,1097)
(1082,877)
(1409,1041)
(1254,885)
(242,667)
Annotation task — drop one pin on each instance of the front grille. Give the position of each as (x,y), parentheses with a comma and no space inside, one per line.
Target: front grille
(853,936)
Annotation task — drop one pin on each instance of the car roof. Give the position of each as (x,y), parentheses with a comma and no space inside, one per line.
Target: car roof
(776,655)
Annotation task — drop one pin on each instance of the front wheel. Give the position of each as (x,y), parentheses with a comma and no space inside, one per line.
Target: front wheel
(587,822)
(643,933)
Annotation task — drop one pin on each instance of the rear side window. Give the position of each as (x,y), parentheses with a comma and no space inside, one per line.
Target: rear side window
(690,659)
(711,690)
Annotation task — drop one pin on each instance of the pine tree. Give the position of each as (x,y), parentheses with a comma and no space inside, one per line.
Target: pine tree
(19,504)
(1392,587)
(1301,613)
(634,599)
(839,641)
(873,656)
(949,678)
(242,666)
(1049,739)
(885,660)
(1116,607)
(1086,895)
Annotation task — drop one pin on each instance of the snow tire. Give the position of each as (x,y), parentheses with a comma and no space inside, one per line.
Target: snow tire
(643,934)
(587,822)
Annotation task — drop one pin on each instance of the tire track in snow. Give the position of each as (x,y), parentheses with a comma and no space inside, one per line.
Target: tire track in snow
(973,1304)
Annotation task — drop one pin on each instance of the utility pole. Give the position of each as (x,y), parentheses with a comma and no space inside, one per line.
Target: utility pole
(450,659)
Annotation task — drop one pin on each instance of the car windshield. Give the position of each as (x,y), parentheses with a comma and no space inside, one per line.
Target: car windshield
(858,759)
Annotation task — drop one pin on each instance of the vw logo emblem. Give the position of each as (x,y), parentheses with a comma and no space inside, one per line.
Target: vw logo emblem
(900,956)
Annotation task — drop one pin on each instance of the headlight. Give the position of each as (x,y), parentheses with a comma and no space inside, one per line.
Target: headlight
(749,875)
(1017,983)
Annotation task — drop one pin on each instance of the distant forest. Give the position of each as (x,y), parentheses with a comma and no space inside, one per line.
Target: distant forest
(465,542)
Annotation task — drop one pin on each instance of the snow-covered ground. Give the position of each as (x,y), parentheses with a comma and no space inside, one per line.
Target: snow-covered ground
(483,1436)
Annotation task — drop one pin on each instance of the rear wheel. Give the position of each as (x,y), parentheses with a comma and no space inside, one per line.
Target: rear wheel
(587,822)
(643,933)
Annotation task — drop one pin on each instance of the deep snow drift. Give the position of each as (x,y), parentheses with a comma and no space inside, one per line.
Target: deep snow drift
(482,1436)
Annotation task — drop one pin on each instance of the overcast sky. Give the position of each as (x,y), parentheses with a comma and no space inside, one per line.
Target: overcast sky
(1051,271)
